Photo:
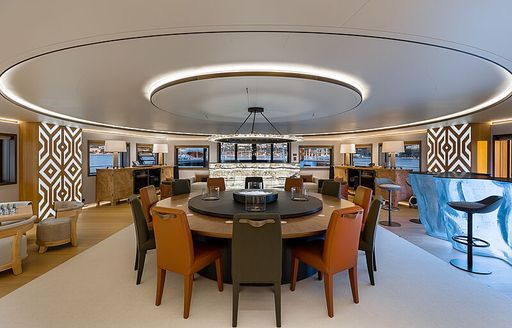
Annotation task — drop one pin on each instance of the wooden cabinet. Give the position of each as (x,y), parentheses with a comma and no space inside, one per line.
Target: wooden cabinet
(116,184)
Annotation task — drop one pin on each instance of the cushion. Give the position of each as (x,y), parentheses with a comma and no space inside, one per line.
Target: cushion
(307,177)
(201,177)
(6,249)
(53,229)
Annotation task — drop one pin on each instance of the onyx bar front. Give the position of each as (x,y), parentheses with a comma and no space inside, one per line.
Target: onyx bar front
(434,191)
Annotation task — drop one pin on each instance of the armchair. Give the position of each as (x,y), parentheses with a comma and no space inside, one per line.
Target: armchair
(13,244)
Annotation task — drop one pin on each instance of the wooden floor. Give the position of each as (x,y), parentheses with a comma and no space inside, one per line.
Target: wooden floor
(94,225)
(98,223)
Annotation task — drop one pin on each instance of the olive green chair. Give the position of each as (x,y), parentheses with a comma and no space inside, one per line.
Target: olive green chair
(367,239)
(180,186)
(332,188)
(259,264)
(145,238)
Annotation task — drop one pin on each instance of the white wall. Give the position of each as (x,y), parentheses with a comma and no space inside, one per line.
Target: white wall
(11,192)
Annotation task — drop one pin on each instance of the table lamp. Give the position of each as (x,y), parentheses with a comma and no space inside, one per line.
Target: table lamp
(115,146)
(347,149)
(160,149)
(392,147)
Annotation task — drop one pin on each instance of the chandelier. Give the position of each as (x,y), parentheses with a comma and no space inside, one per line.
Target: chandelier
(254,138)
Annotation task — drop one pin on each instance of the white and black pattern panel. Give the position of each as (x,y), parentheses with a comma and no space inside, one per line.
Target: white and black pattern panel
(449,149)
(60,166)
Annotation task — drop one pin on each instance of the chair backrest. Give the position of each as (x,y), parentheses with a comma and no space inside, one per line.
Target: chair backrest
(332,188)
(180,186)
(363,198)
(17,228)
(148,198)
(70,209)
(216,182)
(253,179)
(368,234)
(293,182)
(379,181)
(342,239)
(165,189)
(139,220)
(173,239)
(256,249)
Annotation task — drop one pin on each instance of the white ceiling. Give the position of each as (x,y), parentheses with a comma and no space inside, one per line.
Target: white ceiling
(416,61)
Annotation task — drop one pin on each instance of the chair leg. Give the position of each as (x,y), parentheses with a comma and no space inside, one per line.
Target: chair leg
(277,300)
(295,269)
(353,283)
(218,269)
(16,268)
(374,262)
(42,249)
(329,294)
(140,269)
(369,265)
(320,276)
(236,291)
(136,259)
(187,298)
(160,282)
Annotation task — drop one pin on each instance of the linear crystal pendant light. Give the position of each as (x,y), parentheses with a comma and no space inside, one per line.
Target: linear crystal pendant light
(254,138)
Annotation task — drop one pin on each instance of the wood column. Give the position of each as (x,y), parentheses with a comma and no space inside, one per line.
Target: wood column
(29,163)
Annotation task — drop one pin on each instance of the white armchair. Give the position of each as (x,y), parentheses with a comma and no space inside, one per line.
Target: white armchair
(13,244)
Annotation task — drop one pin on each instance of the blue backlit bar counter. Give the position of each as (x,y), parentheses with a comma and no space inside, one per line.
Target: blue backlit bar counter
(434,191)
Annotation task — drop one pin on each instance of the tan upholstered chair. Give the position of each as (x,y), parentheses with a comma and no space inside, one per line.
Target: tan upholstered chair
(148,198)
(216,182)
(13,244)
(293,182)
(61,229)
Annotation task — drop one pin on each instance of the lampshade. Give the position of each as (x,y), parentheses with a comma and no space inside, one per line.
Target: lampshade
(115,145)
(348,148)
(160,148)
(393,147)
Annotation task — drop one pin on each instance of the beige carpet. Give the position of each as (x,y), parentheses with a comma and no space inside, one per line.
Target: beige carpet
(97,289)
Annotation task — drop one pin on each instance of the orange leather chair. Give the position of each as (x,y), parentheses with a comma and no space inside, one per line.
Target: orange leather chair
(363,198)
(148,198)
(293,182)
(216,182)
(176,252)
(337,253)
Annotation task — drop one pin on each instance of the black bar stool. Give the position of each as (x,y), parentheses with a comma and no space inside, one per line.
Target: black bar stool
(417,221)
(486,205)
(390,186)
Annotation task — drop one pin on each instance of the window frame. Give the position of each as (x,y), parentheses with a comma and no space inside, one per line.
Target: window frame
(145,145)
(14,137)
(331,159)
(385,156)
(124,160)
(253,159)
(363,146)
(176,163)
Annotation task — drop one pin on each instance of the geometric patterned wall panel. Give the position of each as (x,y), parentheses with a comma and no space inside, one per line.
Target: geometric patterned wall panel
(449,149)
(60,166)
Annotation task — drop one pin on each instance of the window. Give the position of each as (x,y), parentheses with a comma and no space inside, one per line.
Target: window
(192,156)
(99,159)
(410,159)
(363,155)
(265,153)
(145,154)
(315,156)
(7,158)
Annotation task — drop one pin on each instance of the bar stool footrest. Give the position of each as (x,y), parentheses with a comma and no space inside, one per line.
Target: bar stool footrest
(476,242)
(462,264)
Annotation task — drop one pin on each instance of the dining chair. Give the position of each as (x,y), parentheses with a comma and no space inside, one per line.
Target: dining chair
(216,182)
(145,238)
(253,179)
(165,189)
(256,265)
(338,252)
(176,252)
(13,244)
(180,187)
(367,239)
(148,197)
(289,183)
(331,188)
(363,198)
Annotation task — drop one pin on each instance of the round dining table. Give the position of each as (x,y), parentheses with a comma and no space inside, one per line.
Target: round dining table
(295,230)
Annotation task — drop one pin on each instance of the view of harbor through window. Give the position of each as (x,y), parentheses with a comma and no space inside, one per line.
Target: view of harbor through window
(363,155)
(190,156)
(315,156)
(100,159)
(270,153)
(410,159)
